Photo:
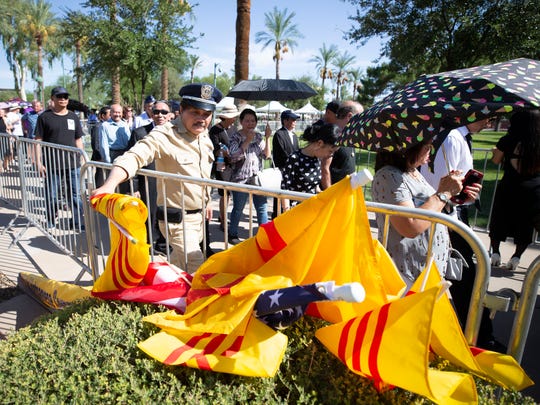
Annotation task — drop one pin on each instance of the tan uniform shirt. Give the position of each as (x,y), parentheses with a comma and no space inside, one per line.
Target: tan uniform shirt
(175,150)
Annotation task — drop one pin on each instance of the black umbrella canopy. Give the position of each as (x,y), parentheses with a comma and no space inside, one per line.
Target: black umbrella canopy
(271,89)
(433,104)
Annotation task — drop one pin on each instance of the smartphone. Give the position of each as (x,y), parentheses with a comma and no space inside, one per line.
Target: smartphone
(472,176)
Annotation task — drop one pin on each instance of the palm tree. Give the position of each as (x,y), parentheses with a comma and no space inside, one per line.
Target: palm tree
(342,62)
(194,62)
(355,75)
(243,23)
(282,34)
(15,45)
(322,62)
(74,35)
(39,22)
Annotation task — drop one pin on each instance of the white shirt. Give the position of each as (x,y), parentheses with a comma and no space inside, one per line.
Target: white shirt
(142,120)
(458,157)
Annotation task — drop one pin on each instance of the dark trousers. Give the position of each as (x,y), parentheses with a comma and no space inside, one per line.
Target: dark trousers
(462,290)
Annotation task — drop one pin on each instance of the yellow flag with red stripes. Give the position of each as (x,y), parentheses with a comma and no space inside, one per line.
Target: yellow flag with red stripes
(326,237)
(449,342)
(255,351)
(390,345)
(129,256)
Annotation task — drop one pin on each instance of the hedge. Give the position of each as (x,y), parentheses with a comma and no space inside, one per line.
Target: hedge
(87,353)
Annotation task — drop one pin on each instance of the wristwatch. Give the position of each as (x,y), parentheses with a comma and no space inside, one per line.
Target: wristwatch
(443,197)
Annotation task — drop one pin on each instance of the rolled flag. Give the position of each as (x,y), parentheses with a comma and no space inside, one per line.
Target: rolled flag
(128,259)
(282,307)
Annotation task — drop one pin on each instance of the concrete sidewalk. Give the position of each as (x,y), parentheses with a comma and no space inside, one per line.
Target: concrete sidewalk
(35,253)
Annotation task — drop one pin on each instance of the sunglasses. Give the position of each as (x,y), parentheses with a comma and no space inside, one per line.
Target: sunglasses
(162,112)
(62,96)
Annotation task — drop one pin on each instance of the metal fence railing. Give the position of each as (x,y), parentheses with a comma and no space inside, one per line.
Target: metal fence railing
(84,237)
(43,184)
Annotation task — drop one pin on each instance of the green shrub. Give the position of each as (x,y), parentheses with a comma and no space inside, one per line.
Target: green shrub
(87,354)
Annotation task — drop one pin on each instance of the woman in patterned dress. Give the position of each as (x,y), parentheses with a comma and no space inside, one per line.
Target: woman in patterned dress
(302,171)
(397,181)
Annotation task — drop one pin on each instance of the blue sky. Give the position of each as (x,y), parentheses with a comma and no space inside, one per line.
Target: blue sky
(319,22)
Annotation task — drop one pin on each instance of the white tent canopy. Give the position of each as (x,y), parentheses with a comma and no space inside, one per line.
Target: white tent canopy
(307,109)
(272,107)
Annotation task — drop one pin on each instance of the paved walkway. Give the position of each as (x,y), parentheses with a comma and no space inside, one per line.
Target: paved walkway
(34,253)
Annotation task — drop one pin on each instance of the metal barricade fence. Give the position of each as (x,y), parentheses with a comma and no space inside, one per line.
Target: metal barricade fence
(98,230)
(49,195)
(10,180)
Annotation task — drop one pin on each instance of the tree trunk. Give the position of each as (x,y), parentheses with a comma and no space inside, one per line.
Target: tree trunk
(115,81)
(40,69)
(165,83)
(78,70)
(243,24)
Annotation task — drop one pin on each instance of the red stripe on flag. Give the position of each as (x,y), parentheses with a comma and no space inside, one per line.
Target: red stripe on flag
(476,350)
(202,363)
(276,241)
(234,348)
(343,338)
(359,336)
(191,343)
(201,359)
(376,345)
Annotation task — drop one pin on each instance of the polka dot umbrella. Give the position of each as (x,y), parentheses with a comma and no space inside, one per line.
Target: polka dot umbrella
(435,103)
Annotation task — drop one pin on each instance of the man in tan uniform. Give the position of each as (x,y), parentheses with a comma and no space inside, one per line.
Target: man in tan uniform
(181,146)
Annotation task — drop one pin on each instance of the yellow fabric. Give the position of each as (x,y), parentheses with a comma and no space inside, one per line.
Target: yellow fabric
(390,345)
(53,294)
(257,352)
(324,238)
(449,342)
(128,258)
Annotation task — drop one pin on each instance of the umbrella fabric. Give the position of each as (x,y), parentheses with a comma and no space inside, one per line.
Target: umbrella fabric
(271,89)
(436,103)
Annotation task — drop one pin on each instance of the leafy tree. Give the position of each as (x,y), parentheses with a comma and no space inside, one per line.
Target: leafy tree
(342,63)
(374,83)
(136,39)
(281,35)
(428,37)
(323,61)
(243,24)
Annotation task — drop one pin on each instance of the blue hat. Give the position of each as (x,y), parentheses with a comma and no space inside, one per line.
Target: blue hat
(201,95)
(175,105)
(288,114)
(58,90)
(149,100)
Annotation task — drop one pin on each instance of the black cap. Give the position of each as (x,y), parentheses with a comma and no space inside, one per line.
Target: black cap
(175,105)
(149,100)
(288,114)
(58,90)
(333,106)
(201,95)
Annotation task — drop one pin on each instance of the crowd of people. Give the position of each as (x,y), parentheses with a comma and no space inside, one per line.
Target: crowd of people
(178,137)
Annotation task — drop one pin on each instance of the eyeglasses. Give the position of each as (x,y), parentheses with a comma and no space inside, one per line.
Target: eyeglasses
(62,96)
(162,112)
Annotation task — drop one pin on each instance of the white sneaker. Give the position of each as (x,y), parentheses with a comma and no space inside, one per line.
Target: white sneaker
(513,263)
(496,259)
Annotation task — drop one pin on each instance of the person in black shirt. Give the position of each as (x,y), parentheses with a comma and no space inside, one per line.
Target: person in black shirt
(302,171)
(60,126)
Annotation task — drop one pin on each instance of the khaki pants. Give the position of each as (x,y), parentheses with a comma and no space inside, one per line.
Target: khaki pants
(194,236)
